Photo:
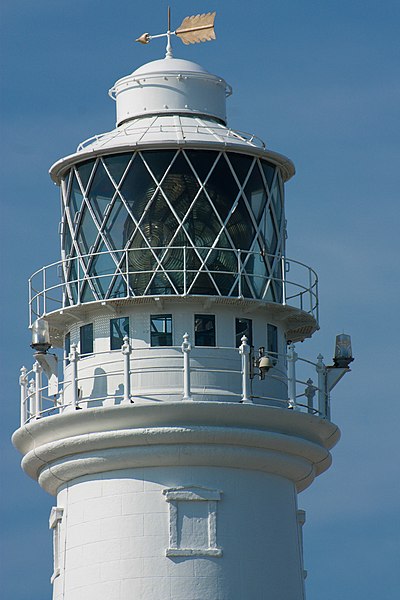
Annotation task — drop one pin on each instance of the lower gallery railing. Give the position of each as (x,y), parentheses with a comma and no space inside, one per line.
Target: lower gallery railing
(43,395)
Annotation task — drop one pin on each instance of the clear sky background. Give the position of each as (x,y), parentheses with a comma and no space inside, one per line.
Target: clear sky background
(317,80)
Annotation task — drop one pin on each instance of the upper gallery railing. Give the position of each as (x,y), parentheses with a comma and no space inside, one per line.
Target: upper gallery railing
(176,271)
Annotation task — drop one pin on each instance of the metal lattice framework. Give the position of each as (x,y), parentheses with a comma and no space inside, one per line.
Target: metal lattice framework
(172,222)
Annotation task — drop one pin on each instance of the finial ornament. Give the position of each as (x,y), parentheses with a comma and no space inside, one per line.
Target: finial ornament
(192,30)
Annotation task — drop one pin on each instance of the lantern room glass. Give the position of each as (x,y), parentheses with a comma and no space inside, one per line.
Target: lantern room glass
(162,222)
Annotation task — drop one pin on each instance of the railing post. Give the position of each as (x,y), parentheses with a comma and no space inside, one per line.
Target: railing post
(184,272)
(23,382)
(292,358)
(44,291)
(30,302)
(37,369)
(244,351)
(239,265)
(31,398)
(126,351)
(186,349)
(127,272)
(309,393)
(283,268)
(73,359)
(323,408)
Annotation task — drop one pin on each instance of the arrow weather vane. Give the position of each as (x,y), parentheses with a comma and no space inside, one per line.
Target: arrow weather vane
(192,30)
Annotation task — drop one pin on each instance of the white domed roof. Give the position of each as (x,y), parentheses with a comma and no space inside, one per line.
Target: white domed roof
(164,65)
(170,86)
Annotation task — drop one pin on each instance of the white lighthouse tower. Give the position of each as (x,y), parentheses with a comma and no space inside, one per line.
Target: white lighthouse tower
(182,423)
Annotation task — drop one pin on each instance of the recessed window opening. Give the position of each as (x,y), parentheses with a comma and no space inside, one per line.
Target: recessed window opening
(204,330)
(272,339)
(243,327)
(119,328)
(86,339)
(161,330)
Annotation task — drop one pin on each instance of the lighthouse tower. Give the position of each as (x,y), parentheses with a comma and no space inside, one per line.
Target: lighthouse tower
(182,423)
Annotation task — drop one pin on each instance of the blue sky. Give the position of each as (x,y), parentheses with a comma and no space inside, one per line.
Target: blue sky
(317,81)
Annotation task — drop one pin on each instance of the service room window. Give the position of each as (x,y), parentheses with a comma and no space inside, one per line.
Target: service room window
(272,340)
(86,339)
(204,330)
(161,330)
(55,524)
(119,328)
(243,327)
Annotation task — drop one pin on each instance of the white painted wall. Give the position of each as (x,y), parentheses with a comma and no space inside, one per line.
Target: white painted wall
(115,533)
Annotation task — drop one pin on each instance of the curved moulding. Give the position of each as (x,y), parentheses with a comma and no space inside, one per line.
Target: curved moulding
(292,445)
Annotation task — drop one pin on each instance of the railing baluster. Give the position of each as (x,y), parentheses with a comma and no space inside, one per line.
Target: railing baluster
(186,349)
(292,358)
(309,393)
(37,369)
(322,388)
(244,351)
(73,359)
(126,351)
(23,382)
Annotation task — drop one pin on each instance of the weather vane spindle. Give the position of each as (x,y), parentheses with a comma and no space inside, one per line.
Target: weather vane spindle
(192,30)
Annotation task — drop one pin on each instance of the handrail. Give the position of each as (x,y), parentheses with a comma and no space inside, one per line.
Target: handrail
(56,286)
(36,401)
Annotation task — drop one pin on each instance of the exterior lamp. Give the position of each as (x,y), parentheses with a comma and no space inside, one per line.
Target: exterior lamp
(40,336)
(263,363)
(343,353)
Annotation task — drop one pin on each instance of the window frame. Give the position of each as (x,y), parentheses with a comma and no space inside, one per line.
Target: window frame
(122,328)
(238,342)
(196,333)
(165,316)
(82,342)
(272,336)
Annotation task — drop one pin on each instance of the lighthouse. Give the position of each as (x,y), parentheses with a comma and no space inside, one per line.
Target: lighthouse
(168,410)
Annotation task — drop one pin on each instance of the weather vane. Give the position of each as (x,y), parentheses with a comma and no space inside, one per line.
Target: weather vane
(192,30)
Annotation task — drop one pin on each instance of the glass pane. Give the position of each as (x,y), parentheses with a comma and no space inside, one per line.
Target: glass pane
(87,233)
(158,161)
(270,235)
(117,164)
(204,330)
(277,201)
(67,239)
(255,193)
(86,339)
(240,228)
(180,185)
(119,328)
(202,224)
(202,161)
(75,198)
(119,225)
(102,270)
(159,224)
(101,192)
(222,188)
(203,285)
(161,330)
(241,165)
(269,171)
(243,327)
(137,188)
(85,170)
(272,339)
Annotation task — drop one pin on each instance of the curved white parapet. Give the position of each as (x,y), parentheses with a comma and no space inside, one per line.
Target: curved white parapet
(170,85)
(63,447)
